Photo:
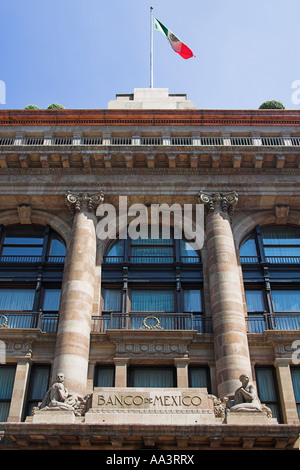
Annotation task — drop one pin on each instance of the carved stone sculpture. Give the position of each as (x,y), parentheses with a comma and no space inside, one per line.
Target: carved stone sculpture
(58,397)
(245,397)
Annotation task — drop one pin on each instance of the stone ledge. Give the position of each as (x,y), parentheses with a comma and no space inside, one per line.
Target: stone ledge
(103,437)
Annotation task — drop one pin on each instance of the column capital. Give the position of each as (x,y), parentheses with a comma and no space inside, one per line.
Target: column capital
(76,202)
(226,201)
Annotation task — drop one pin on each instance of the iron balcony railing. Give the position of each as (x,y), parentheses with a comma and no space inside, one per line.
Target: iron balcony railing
(31,259)
(155,321)
(145,321)
(45,321)
(151,259)
(186,141)
(259,322)
(271,259)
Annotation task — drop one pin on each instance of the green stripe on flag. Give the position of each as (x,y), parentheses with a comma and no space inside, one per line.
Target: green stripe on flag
(160,27)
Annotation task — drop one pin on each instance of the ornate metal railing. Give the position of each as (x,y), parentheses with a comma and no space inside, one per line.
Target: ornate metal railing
(31,259)
(152,141)
(45,321)
(151,259)
(156,321)
(259,322)
(271,259)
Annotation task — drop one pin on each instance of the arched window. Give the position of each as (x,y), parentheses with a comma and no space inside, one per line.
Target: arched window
(153,283)
(270,258)
(31,269)
(273,244)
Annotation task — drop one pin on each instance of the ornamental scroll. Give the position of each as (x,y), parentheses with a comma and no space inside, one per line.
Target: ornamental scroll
(77,201)
(226,201)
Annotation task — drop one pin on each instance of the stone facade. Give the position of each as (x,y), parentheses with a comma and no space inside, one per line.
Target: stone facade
(56,168)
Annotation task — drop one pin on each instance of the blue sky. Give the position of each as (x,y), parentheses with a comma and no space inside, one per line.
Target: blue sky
(80,53)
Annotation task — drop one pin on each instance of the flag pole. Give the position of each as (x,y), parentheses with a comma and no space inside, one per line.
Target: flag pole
(151,47)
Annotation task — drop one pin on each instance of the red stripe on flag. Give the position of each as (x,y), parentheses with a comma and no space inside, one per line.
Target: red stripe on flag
(185,52)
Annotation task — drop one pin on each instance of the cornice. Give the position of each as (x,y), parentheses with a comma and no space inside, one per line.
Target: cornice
(147,171)
(103,117)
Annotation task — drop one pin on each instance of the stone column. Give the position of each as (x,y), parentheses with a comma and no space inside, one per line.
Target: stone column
(73,335)
(286,390)
(121,365)
(18,396)
(181,365)
(229,326)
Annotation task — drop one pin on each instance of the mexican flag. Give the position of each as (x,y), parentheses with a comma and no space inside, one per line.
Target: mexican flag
(176,44)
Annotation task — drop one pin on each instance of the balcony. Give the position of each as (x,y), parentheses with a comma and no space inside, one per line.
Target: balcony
(258,323)
(186,141)
(141,321)
(22,259)
(45,321)
(155,321)
(271,259)
(151,259)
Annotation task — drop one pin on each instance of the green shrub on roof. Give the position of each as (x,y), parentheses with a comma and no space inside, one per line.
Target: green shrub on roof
(272,104)
(56,106)
(32,106)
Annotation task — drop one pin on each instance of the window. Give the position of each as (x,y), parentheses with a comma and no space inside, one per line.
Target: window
(286,300)
(274,244)
(248,251)
(256,308)
(16,299)
(267,390)
(104,376)
(199,377)
(270,259)
(32,258)
(51,300)
(156,377)
(188,254)
(112,300)
(152,283)
(22,244)
(152,251)
(7,378)
(144,300)
(192,300)
(115,253)
(281,244)
(31,244)
(38,386)
(295,372)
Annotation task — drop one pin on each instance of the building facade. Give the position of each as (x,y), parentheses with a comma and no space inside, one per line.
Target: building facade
(150,333)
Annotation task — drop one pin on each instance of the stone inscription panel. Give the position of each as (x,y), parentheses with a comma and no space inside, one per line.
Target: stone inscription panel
(159,399)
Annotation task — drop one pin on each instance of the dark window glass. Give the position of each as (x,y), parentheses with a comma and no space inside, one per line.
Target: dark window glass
(7,377)
(266,387)
(143,300)
(156,377)
(38,386)
(295,372)
(104,376)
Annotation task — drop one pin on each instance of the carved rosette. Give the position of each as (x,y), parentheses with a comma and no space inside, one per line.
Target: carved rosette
(225,201)
(87,201)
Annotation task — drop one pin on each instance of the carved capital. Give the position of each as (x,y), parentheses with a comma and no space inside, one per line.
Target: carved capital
(76,202)
(225,201)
